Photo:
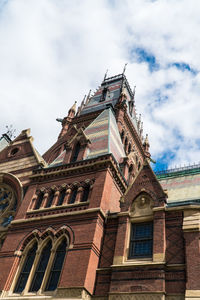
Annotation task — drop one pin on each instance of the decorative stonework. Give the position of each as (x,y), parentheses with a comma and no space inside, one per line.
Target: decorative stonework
(72,293)
(175,297)
(137,297)
(142,206)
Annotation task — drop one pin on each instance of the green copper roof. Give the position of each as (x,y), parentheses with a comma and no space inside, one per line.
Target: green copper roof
(182,185)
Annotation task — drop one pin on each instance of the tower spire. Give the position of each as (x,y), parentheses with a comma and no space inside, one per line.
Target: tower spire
(124,68)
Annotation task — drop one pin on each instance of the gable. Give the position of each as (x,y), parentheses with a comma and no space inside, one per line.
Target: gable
(145,182)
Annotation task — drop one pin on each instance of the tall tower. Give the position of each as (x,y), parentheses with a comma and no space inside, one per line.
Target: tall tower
(97,155)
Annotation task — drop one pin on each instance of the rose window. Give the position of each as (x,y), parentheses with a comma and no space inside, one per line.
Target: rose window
(7,205)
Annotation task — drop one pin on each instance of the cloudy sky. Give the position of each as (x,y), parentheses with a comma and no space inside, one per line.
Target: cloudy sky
(53,51)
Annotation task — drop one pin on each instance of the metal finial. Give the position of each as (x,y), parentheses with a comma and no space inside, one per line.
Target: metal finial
(105,74)
(124,68)
(10,131)
(88,97)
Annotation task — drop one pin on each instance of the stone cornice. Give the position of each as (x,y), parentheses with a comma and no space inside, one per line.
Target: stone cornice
(80,212)
(81,167)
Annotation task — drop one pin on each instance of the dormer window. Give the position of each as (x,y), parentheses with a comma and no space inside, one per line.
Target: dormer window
(104,93)
(75,152)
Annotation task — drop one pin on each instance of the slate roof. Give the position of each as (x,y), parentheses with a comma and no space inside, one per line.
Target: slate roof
(182,185)
(114,84)
(104,136)
(4,141)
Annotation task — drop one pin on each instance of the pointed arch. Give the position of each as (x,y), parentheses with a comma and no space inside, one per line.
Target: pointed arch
(41,267)
(57,265)
(27,266)
(75,152)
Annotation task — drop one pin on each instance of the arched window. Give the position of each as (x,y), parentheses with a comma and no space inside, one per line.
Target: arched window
(61,197)
(39,200)
(56,267)
(104,93)
(129,148)
(22,280)
(85,194)
(130,170)
(73,196)
(125,143)
(50,199)
(41,268)
(75,152)
(122,136)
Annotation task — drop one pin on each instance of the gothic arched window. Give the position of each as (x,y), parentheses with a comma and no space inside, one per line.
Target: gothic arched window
(85,194)
(50,199)
(57,266)
(130,170)
(73,196)
(122,136)
(104,93)
(129,148)
(125,144)
(75,152)
(22,280)
(41,268)
(39,200)
(61,197)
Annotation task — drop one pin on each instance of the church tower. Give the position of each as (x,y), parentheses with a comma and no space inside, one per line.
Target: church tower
(88,219)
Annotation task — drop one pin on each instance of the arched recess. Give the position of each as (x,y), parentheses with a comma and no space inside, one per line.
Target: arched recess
(11,195)
(142,205)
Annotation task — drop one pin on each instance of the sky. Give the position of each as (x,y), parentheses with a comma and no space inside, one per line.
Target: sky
(52,52)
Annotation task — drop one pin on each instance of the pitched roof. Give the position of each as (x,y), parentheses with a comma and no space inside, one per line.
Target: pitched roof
(182,184)
(104,136)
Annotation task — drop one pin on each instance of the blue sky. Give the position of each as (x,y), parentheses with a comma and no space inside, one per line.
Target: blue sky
(53,52)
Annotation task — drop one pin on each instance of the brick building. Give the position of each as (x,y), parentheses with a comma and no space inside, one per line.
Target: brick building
(90,219)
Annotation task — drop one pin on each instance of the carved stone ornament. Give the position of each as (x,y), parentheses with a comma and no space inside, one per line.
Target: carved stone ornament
(142,206)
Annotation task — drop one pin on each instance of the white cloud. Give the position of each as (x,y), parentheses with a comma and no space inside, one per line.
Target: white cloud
(53,52)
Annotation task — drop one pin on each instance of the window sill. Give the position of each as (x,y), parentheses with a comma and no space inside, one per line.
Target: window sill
(30,295)
(58,207)
(138,262)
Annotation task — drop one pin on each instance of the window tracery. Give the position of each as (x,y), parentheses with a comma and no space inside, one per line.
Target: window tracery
(8,205)
(42,263)
(41,268)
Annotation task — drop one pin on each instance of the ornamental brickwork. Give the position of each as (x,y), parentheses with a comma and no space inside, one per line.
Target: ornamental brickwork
(90,219)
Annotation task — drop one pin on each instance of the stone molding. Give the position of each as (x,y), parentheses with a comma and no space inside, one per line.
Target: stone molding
(66,293)
(137,297)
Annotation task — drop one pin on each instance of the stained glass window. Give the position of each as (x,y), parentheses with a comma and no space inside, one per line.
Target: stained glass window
(56,267)
(41,268)
(141,241)
(30,257)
